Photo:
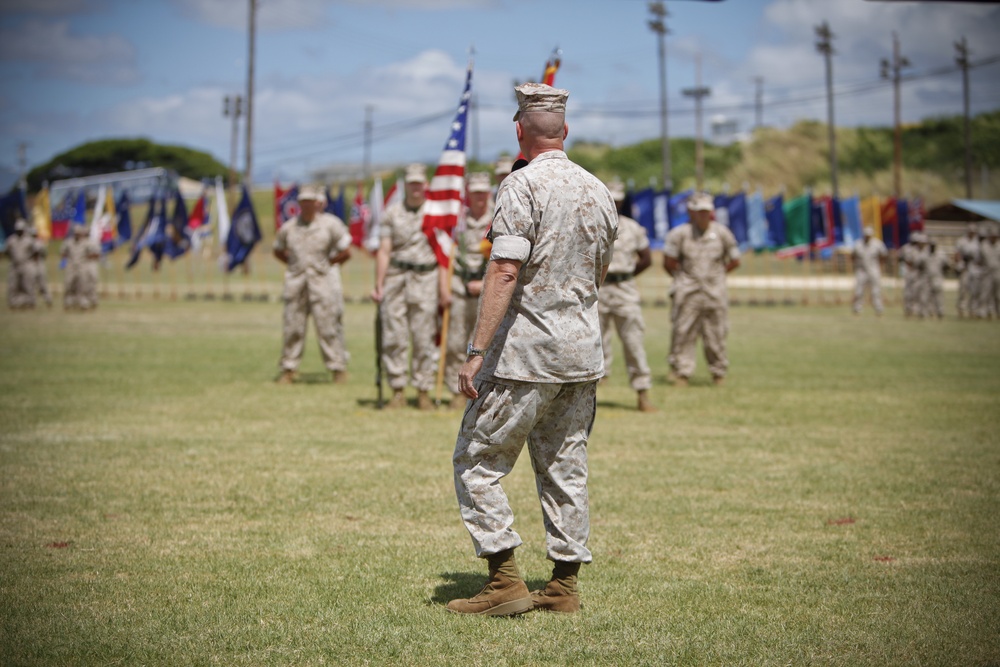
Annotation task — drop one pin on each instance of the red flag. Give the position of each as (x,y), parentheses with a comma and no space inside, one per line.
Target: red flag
(197,217)
(447,187)
(890,222)
(551,67)
(278,194)
(359,217)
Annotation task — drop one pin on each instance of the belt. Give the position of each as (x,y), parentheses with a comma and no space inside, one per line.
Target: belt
(467,275)
(613,278)
(406,266)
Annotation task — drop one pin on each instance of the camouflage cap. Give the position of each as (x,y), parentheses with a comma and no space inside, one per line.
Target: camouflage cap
(868,230)
(617,189)
(539,97)
(21,225)
(504,166)
(700,201)
(479,182)
(415,173)
(311,192)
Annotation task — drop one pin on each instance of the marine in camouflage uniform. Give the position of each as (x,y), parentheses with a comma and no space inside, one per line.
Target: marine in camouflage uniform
(39,251)
(699,255)
(20,276)
(80,281)
(990,251)
(312,245)
(618,301)
(917,276)
(467,280)
(968,263)
(868,253)
(932,285)
(535,360)
(409,285)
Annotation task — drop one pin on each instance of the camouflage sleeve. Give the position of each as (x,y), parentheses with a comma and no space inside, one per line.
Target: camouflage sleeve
(341,236)
(280,241)
(672,244)
(512,230)
(732,249)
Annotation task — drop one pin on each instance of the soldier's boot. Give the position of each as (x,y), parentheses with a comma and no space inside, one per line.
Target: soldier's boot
(339,377)
(457,402)
(505,594)
(680,381)
(560,594)
(719,380)
(424,400)
(398,400)
(644,404)
(286,377)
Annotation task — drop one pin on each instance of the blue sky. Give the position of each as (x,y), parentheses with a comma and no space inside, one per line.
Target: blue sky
(76,70)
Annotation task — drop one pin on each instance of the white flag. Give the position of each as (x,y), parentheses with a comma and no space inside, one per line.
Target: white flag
(222,211)
(96,224)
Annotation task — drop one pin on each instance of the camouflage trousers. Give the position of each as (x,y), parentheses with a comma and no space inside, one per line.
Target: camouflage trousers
(911,291)
(698,316)
(20,284)
(327,311)
(80,289)
(555,420)
(968,291)
(409,312)
(862,283)
(461,324)
(625,317)
(929,300)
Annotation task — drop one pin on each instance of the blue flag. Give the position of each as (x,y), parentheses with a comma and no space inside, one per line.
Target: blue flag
(756,221)
(152,235)
(738,220)
(643,208)
(903,221)
(774,210)
(177,239)
(122,208)
(335,206)
(678,208)
(12,207)
(244,233)
(80,214)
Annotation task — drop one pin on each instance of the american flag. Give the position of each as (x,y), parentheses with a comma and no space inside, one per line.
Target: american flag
(447,188)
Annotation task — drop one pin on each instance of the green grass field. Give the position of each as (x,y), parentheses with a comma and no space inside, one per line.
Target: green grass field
(163,502)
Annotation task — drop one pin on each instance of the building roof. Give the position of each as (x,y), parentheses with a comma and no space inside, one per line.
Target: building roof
(983,207)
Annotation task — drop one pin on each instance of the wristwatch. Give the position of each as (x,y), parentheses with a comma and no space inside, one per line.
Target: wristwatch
(474,351)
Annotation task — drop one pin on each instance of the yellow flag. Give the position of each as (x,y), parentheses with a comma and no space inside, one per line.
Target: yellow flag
(871,214)
(41,215)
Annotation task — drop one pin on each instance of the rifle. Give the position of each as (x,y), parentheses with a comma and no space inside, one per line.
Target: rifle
(378,355)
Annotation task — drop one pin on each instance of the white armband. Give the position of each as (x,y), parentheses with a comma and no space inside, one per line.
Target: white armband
(516,248)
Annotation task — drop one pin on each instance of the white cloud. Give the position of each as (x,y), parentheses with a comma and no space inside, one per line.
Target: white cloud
(57,52)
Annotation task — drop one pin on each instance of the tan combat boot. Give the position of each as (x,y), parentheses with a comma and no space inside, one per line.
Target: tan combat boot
(397,401)
(719,380)
(560,594)
(457,402)
(504,594)
(424,401)
(286,377)
(339,377)
(680,381)
(644,404)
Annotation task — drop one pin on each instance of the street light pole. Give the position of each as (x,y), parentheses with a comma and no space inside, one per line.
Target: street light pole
(891,70)
(825,46)
(658,25)
(698,92)
(963,62)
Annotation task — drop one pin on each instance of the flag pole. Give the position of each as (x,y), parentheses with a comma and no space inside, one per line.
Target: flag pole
(445,322)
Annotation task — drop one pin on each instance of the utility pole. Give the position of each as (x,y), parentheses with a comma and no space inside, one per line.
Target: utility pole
(366,164)
(825,46)
(248,176)
(698,92)
(233,107)
(963,61)
(891,70)
(658,25)
(759,102)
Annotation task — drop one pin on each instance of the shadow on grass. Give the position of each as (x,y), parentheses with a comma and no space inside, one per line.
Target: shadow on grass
(460,585)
